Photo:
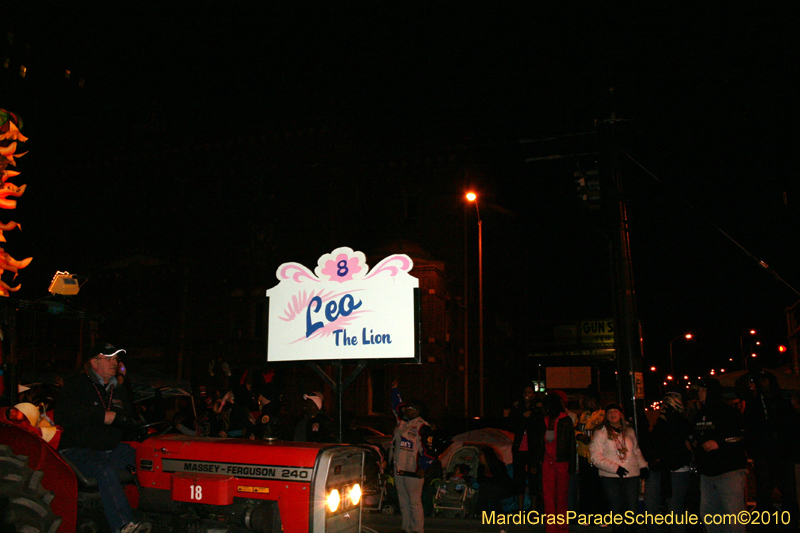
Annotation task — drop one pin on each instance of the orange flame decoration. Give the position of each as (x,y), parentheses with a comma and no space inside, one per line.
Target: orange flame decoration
(9,136)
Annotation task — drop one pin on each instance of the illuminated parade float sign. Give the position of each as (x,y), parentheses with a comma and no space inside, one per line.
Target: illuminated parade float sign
(344,310)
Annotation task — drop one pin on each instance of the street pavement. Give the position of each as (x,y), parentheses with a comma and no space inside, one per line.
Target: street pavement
(391,524)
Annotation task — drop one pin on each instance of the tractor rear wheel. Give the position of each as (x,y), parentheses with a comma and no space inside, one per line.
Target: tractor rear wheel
(23,502)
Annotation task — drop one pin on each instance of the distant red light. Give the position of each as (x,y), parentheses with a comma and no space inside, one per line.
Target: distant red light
(781,348)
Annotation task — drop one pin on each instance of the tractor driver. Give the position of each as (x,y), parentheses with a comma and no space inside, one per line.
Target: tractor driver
(94,412)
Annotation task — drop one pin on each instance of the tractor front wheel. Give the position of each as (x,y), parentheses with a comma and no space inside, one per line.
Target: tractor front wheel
(24,504)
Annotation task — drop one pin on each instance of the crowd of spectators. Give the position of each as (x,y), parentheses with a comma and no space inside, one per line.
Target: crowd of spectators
(705,453)
(588,459)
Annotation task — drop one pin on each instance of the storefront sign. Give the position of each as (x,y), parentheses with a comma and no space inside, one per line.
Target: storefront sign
(639,383)
(343,310)
(597,332)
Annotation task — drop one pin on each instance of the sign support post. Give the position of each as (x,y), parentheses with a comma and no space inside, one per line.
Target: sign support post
(338,386)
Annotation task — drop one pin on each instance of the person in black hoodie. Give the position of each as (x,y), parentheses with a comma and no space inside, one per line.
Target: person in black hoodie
(770,442)
(94,413)
(268,426)
(527,423)
(494,483)
(670,460)
(717,438)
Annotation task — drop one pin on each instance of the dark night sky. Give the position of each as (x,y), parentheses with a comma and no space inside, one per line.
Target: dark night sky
(708,90)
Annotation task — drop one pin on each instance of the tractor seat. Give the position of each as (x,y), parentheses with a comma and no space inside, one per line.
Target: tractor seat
(87,482)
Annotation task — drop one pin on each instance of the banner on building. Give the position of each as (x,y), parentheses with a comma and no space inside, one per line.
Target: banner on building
(344,310)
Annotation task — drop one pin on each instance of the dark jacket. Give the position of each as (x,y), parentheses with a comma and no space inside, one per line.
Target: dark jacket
(666,445)
(721,423)
(318,428)
(529,426)
(768,421)
(81,410)
(495,473)
(268,425)
(565,443)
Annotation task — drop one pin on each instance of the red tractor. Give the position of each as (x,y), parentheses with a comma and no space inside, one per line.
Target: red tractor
(185,484)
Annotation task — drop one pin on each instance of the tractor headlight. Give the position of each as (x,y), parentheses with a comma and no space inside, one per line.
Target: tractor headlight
(355,494)
(333,500)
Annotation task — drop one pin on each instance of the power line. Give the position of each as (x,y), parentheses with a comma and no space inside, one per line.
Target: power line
(761,263)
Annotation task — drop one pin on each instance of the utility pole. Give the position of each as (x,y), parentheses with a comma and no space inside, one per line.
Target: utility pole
(626,318)
(793,333)
(613,210)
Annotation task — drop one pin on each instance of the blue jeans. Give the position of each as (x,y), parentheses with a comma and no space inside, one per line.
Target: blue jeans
(676,503)
(622,495)
(574,484)
(723,494)
(103,466)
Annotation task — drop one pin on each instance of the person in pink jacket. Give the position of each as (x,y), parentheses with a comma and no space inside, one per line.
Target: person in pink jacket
(615,452)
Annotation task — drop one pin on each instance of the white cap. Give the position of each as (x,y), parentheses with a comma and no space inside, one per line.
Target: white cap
(315,397)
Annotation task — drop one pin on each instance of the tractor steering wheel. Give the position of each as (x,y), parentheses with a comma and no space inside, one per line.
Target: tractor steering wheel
(140,432)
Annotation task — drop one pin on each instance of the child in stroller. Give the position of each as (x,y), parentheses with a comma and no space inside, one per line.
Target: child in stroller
(378,492)
(459,477)
(455,495)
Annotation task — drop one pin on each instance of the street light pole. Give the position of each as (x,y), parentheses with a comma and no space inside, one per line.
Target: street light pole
(687,336)
(480,306)
(750,347)
(671,360)
(472,197)
(466,322)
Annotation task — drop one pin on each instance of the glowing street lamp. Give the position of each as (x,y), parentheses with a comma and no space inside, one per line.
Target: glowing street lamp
(752,333)
(472,197)
(687,336)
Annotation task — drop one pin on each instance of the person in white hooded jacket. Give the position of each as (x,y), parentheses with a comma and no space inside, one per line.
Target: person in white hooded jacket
(615,452)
